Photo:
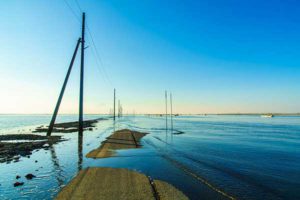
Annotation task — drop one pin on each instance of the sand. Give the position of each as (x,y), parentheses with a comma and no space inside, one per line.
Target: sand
(110,183)
(122,139)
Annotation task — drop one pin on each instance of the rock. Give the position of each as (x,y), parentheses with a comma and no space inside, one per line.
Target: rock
(36,161)
(29,176)
(16,184)
(90,129)
(17,177)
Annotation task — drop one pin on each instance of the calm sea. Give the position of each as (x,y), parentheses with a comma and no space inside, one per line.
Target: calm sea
(217,157)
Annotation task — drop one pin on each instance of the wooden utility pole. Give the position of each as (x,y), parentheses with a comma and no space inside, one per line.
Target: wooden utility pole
(114,104)
(81,77)
(166,95)
(171,112)
(119,109)
(62,90)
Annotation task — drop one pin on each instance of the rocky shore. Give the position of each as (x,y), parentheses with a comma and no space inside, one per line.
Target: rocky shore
(69,127)
(13,147)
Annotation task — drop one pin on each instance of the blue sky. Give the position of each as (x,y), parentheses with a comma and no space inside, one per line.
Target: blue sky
(214,56)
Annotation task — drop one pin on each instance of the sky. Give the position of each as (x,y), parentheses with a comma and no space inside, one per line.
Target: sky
(214,56)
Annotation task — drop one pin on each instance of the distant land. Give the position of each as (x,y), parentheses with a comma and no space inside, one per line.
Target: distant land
(274,114)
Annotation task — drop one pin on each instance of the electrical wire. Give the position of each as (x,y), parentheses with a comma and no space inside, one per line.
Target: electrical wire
(72,11)
(96,53)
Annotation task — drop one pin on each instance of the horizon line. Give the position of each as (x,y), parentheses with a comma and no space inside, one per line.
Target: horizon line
(240,113)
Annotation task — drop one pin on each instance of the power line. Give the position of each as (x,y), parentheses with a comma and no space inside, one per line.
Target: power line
(98,57)
(71,9)
(78,5)
(98,66)
(96,53)
(95,47)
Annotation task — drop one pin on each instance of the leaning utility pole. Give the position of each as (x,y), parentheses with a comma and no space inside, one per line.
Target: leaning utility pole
(114,104)
(81,77)
(62,90)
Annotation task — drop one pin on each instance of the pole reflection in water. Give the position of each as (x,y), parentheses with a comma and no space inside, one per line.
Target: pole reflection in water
(57,168)
(167,141)
(80,140)
(117,125)
(172,136)
(114,125)
(166,136)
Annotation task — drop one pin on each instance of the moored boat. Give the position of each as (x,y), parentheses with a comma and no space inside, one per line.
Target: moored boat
(267,116)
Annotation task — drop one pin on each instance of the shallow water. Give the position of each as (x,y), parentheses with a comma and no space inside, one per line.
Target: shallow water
(246,157)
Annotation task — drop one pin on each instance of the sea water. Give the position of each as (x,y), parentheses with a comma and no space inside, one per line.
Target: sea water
(216,157)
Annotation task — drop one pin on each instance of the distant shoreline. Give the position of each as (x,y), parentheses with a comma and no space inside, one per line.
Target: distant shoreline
(274,114)
(182,114)
(252,114)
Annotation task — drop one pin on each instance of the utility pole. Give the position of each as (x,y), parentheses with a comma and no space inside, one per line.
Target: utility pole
(81,77)
(171,112)
(62,90)
(166,95)
(114,104)
(119,108)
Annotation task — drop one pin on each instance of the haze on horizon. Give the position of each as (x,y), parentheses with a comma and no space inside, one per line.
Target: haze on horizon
(214,56)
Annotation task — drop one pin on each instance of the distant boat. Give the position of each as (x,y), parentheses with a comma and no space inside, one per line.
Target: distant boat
(268,116)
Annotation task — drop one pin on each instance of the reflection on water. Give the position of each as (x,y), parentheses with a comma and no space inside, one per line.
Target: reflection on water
(247,157)
(80,140)
(57,169)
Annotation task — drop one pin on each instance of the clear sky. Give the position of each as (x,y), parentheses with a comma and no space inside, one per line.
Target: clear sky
(214,56)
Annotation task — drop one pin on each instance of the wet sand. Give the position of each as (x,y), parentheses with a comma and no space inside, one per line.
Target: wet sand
(13,151)
(122,139)
(70,127)
(110,183)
